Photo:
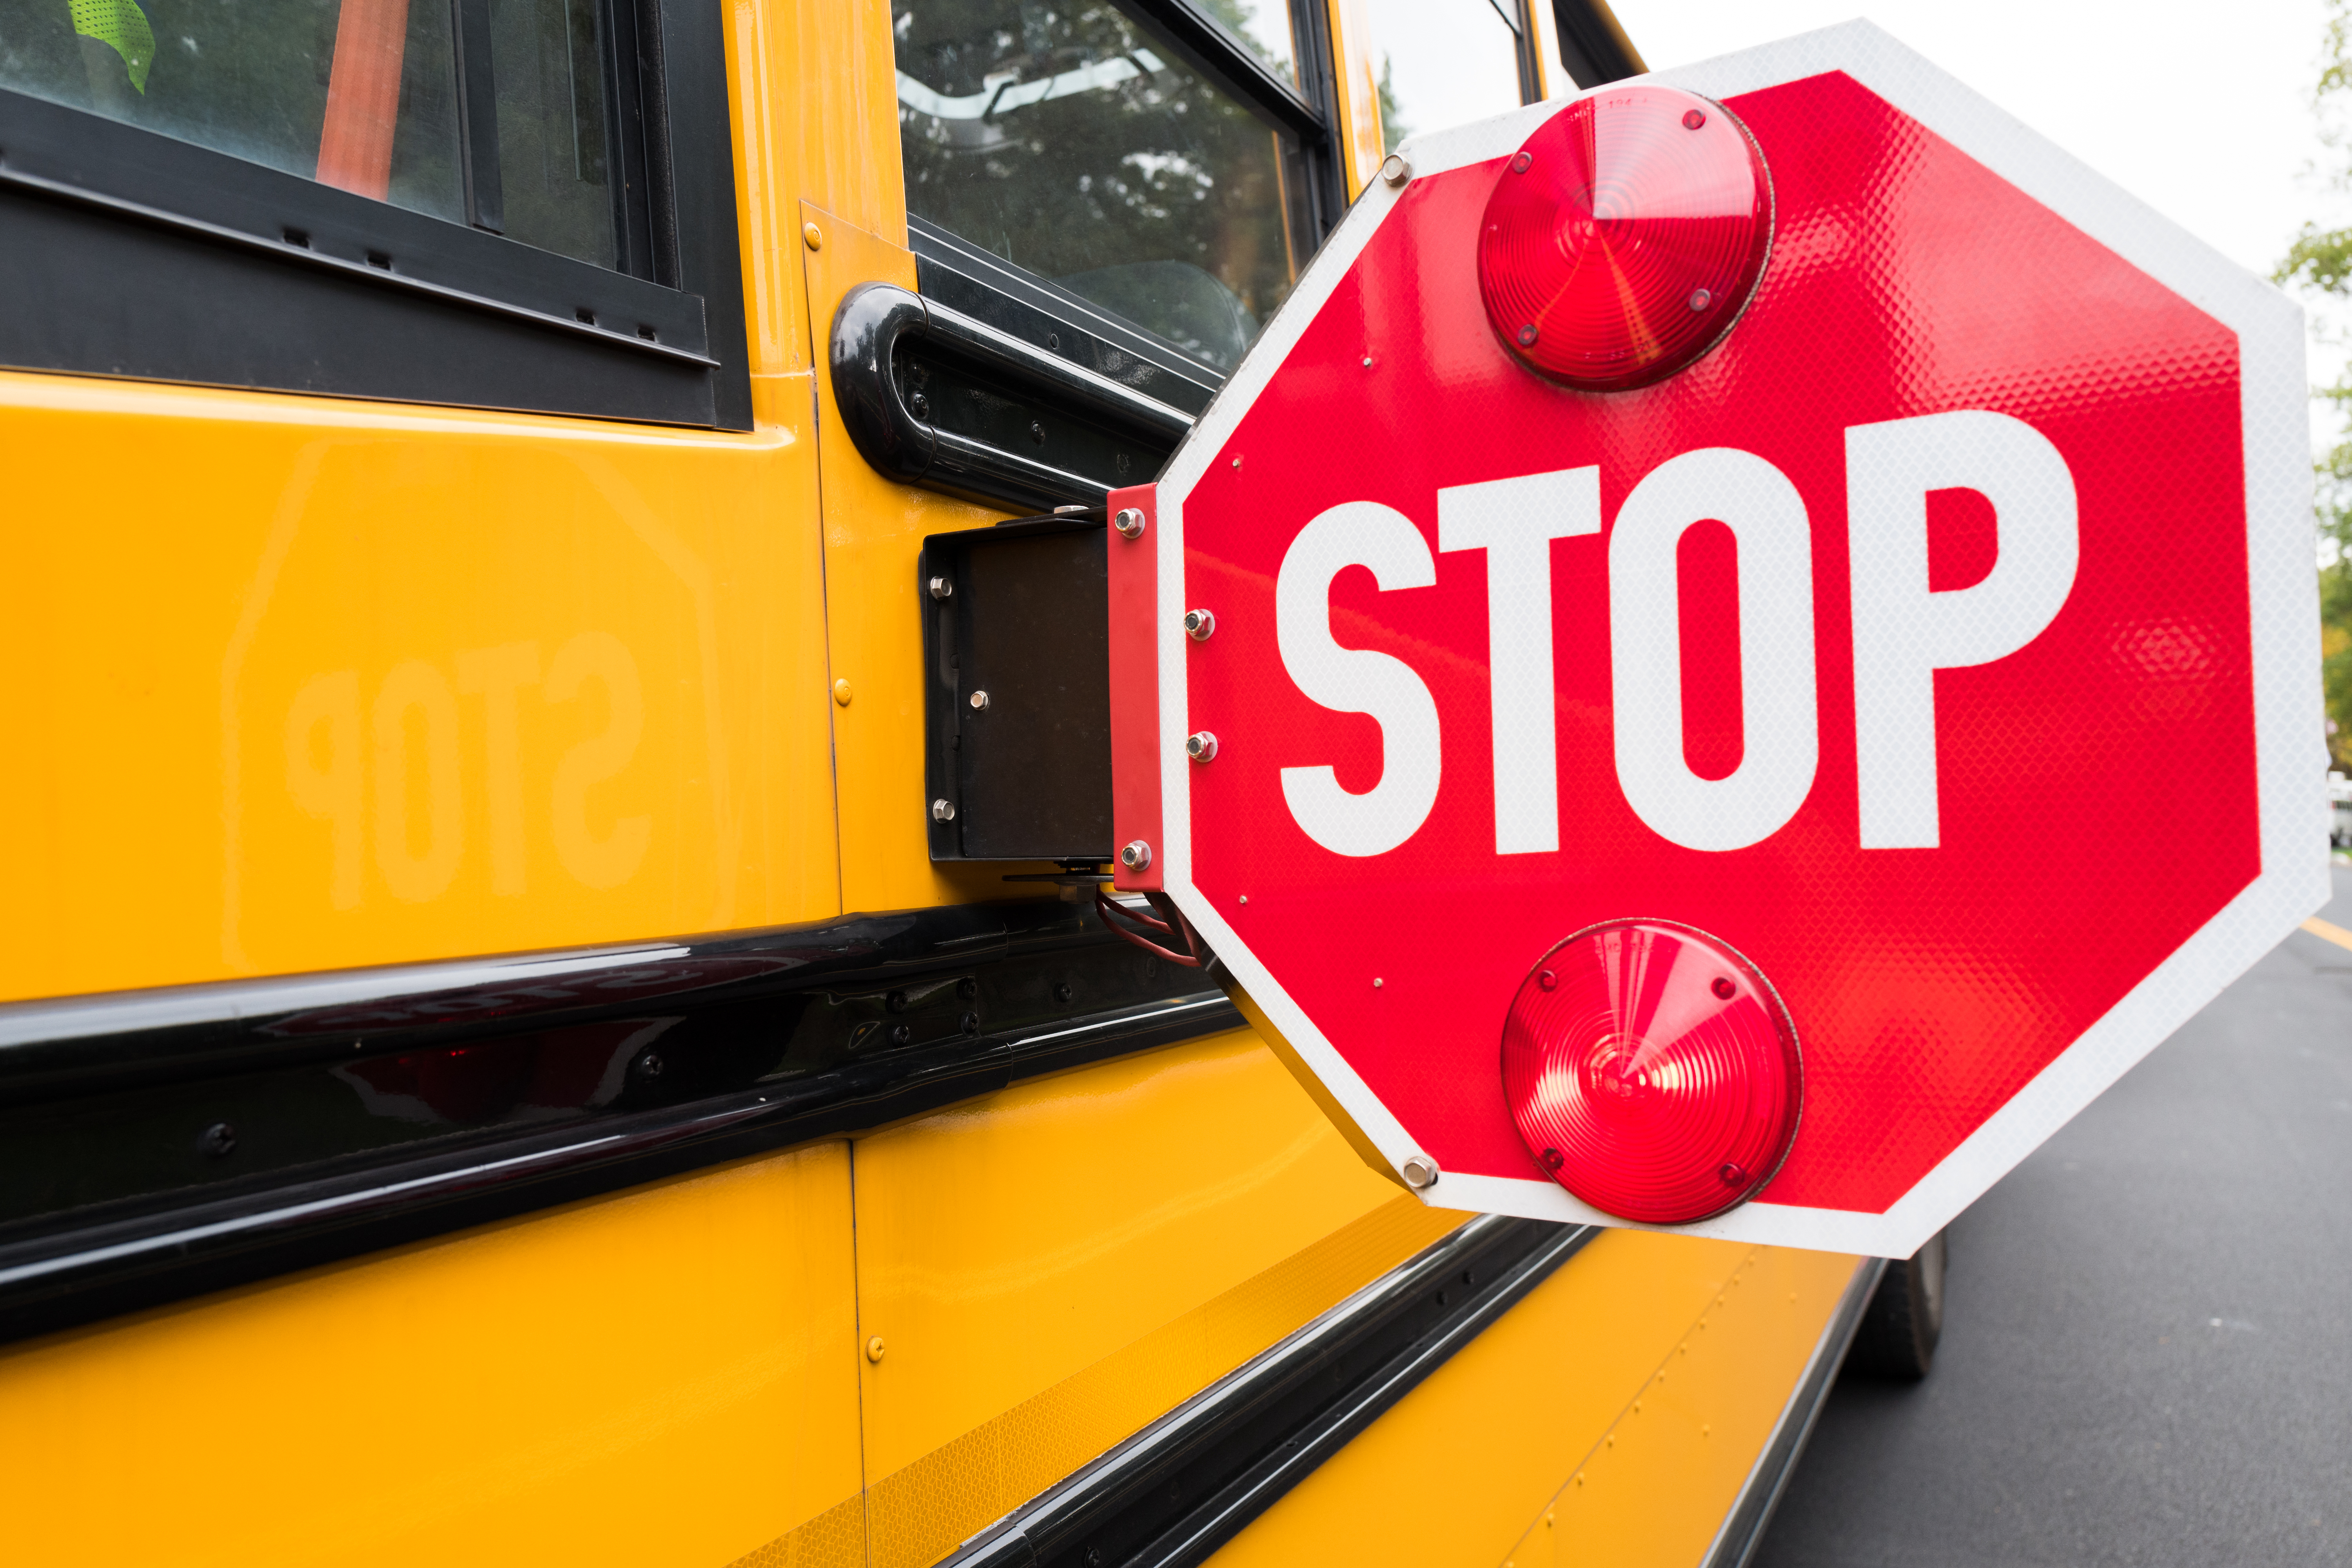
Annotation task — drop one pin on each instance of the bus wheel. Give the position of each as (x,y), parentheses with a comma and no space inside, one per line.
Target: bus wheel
(1905,1317)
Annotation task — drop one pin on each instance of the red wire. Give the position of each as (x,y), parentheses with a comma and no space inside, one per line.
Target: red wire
(1107,910)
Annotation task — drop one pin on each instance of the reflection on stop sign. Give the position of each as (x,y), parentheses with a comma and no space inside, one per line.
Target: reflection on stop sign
(1498,661)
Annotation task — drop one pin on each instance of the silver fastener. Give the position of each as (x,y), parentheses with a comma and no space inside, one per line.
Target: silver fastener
(942,589)
(1201,746)
(942,811)
(979,700)
(1199,625)
(1129,522)
(1395,170)
(1070,511)
(1420,1172)
(1136,856)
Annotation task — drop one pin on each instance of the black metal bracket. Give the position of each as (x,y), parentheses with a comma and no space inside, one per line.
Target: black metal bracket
(938,439)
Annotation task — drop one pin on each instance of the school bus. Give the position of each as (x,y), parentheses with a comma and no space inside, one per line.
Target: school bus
(526,1032)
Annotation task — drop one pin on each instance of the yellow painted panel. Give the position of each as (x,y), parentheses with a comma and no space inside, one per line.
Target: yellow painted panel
(816,99)
(1053,1266)
(1654,1490)
(1456,1471)
(302,683)
(873,532)
(665,1376)
(1360,144)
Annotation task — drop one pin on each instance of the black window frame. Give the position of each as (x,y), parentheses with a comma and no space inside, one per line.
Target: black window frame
(134,254)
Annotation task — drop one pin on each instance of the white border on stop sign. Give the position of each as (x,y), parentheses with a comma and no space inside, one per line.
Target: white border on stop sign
(2289,753)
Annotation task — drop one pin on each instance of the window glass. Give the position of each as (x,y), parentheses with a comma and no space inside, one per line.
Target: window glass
(1265,27)
(356,93)
(1060,136)
(1442,63)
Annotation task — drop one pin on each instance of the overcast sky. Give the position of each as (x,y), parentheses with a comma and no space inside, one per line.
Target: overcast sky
(2203,112)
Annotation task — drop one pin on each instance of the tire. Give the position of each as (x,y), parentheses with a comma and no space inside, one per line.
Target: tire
(1905,1319)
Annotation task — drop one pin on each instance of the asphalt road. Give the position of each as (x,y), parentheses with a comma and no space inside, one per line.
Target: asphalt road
(2147,1340)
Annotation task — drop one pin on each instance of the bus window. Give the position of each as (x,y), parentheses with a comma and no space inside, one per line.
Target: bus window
(361,94)
(1445,62)
(1071,143)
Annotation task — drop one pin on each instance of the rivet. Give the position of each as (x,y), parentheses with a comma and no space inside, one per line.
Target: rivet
(1201,746)
(216,1140)
(1237,462)
(1395,170)
(1529,334)
(874,1347)
(1367,361)
(812,237)
(1732,1175)
(941,588)
(841,692)
(650,1064)
(1553,1159)
(1724,988)
(1200,625)
(1061,992)
(1693,119)
(1136,856)
(1419,1173)
(1036,433)
(980,702)
(1245,898)
(1521,161)
(1376,983)
(1129,522)
(1548,980)
(968,988)
(942,811)
(1700,299)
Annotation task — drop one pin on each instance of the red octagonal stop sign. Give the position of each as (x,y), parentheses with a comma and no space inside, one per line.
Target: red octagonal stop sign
(1934,658)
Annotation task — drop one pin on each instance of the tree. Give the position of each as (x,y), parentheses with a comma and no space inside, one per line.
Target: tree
(2321,260)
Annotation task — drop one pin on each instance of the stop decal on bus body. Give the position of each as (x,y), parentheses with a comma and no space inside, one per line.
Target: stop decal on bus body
(1688,628)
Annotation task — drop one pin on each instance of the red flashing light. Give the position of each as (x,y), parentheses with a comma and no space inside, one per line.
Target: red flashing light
(1625,237)
(1652,1071)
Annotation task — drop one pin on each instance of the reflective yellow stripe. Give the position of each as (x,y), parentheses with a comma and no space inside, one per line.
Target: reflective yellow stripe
(833,1539)
(122,24)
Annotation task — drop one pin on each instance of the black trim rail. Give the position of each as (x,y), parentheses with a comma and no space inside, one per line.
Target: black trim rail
(876,319)
(162,1144)
(1172,1494)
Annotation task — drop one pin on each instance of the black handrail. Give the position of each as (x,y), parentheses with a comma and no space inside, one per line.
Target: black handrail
(875,319)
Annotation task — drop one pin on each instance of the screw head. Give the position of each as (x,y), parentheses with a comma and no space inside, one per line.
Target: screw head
(1061,992)
(941,588)
(1200,625)
(874,1349)
(841,693)
(980,702)
(1528,335)
(1135,856)
(901,1033)
(968,988)
(216,1140)
(1420,1172)
(1724,988)
(1201,746)
(1395,170)
(1521,161)
(1036,433)
(1693,119)
(942,811)
(812,237)
(1701,298)
(970,1022)
(649,1064)
(1129,522)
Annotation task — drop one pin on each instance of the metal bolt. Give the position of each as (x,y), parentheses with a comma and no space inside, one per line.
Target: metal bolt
(1376,983)
(942,589)
(901,1033)
(1036,433)
(1201,746)
(1129,522)
(1061,992)
(649,1065)
(971,1021)
(1070,511)
(896,1001)
(1136,856)
(1200,625)
(980,702)
(841,692)
(942,811)
(968,988)
(874,1349)
(1395,170)
(216,1140)
(812,237)
(1420,1172)
(919,406)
